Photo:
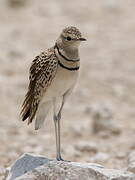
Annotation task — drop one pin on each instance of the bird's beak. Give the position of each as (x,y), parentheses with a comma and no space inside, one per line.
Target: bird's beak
(82,39)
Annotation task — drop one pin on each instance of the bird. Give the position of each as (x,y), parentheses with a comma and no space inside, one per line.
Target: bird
(52,77)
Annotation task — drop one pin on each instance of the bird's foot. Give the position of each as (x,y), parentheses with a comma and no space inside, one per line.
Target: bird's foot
(60,159)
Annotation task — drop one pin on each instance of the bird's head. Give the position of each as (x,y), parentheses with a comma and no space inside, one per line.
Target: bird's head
(70,37)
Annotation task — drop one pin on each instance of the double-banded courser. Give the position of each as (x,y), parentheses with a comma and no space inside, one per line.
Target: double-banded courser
(53,75)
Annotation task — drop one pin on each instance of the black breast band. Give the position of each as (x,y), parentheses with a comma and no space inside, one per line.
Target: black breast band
(68,68)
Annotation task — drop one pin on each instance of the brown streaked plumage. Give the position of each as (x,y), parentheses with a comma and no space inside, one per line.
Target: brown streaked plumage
(42,71)
(53,75)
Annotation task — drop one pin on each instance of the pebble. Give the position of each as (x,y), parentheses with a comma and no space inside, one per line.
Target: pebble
(79,129)
(111,4)
(72,151)
(87,147)
(100,157)
(120,155)
(16,3)
(131,162)
(3,173)
(103,120)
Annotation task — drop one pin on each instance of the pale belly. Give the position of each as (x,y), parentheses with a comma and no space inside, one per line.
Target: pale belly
(62,82)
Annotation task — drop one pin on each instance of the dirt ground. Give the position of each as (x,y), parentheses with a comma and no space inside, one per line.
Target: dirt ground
(107,78)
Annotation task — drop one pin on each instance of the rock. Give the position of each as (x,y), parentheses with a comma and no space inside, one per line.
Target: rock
(3,173)
(100,157)
(87,147)
(26,163)
(103,120)
(104,134)
(111,4)
(131,162)
(120,155)
(77,129)
(16,3)
(30,167)
(72,151)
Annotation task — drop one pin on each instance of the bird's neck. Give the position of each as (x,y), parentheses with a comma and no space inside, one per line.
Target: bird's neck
(71,53)
(67,58)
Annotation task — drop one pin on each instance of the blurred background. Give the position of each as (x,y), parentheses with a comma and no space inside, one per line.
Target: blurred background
(98,122)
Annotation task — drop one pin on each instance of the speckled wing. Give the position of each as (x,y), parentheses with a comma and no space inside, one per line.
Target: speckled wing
(42,72)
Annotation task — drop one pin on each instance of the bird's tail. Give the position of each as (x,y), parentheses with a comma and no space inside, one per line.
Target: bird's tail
(42,113)
(29,107)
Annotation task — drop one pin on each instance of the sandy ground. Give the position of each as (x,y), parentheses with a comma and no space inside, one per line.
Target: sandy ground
(107,78)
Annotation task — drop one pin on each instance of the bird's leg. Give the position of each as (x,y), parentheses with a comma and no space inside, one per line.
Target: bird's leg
(57,134)
(57,118)
(59,113)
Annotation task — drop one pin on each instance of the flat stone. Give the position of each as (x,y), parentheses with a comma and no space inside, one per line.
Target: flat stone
(32,167)
(26,163)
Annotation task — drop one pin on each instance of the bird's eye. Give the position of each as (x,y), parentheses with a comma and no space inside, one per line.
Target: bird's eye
(68,38)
